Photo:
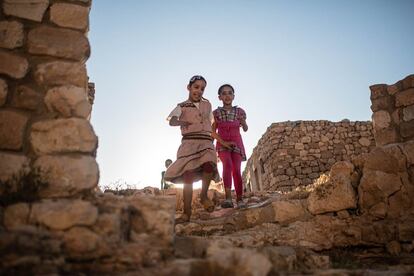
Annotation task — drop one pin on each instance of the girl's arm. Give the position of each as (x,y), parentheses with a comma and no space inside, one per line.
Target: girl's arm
(244,124)
(175,122)
(214,134)
(242,119)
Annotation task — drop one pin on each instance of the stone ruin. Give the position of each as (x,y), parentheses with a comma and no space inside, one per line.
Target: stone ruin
(54,220)
(293,154)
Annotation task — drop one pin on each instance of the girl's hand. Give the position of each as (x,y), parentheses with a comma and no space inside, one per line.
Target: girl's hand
(243,124)
(228,145)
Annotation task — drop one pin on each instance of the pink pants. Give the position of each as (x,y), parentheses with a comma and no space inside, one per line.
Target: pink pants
(231,167)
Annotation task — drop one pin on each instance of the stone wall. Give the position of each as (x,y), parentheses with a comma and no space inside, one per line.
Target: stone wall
(393,111)
(292,154)
(53,220)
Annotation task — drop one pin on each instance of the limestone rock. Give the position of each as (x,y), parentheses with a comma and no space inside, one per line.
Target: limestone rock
(12,128)
(58,42)
(408,150)
(26,98)
(406,230)
(381,119)
(378,91)
(69,15)
(364,142)
(408,113)
(404,98)
(67,175)
(61,73)
(158,216)
(64,213)
(282,257)
(27,9)
(109,226)
(386,136)
(383,103)
(376,187)
(288,211)
(3,92)
(80,240)
(16,215)
(12,165)
(394,248)
(63,136)
(336,194)
(13,65)
(68,101)
(407,129)
(379,210)
(388,159)
(11,34)
(238,261)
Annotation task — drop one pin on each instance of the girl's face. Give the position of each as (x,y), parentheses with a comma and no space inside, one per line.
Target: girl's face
(196,90)
(226,95)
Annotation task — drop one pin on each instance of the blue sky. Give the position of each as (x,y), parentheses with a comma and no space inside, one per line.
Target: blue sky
(287,60)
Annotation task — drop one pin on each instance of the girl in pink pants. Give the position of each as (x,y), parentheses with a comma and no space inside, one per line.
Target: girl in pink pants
(227,122)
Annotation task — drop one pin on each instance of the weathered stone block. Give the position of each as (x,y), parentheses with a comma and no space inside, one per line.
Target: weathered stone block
(379,210)
(11,34)
(378,233)
(381,119)
(407,129)
(16,215)
(26,97)
(386,136)
(388,159)
(288,211)
(64,213)
(13,65)
(3,92)
(12,165)
(58,42)
(398,204)
(408,113)
(376,187)
(62,136)
(393,89)
(406,230)
(238,261)
(365,142)
(109,225)
(383,103)
(27,9)
(80,240)
(67,175)
(408,150)
(68,15)
(158,216)
(61,73)
(68,101)
(405,98)
(334,195)
(378,90)
(408,82)
(12,127)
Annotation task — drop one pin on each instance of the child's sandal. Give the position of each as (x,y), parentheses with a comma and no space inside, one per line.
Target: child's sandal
(228,203)
(241,204)
(182,219)
(208,205)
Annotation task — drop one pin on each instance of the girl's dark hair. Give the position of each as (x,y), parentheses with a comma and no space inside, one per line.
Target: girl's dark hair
(225,85)
(196,78)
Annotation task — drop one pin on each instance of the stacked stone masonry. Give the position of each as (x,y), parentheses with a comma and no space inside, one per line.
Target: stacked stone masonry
(393,111)
(52,219)
(292,154)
